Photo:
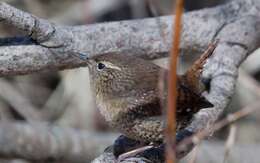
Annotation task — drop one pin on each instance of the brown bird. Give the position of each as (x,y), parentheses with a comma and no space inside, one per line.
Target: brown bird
(127,94)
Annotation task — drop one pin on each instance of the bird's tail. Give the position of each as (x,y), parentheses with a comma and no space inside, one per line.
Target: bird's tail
(193,74)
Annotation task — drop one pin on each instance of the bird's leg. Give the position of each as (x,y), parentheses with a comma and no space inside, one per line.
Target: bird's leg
(134,152)
(125,147)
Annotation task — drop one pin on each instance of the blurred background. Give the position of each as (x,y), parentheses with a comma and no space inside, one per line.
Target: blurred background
(64,98)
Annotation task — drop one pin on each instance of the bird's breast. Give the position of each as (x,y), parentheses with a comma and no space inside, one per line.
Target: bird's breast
(110,109)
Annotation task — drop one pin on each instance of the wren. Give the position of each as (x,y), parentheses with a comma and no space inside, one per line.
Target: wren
(127,93)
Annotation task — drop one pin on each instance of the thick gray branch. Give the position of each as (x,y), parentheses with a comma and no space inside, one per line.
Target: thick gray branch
(236,43)
(42,142)
(139,37)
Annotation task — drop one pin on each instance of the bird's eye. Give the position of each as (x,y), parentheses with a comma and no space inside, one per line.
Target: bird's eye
(100,66)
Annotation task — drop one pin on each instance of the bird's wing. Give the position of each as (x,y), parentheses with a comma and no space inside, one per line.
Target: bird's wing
(148,104)
(152,102)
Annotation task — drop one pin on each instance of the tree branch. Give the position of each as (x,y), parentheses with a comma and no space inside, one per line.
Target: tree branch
(42,142)
(55,44)
(40,30)
(11,95)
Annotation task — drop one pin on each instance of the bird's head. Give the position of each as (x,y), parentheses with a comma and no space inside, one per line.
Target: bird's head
(118,74)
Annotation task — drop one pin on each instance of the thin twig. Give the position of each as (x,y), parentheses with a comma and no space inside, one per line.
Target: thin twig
(230,141)
(172,90)
(194,154)
(222,123)
(55,104)
(19,102)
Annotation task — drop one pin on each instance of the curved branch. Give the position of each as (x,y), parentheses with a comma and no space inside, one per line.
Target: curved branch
(142,38)
(237,40)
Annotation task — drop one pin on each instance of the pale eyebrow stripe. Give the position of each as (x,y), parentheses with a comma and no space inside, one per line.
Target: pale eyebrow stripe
(111,65)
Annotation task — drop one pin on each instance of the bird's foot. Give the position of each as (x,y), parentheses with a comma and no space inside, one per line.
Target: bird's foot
(156,154)
(139,151)
(124,144)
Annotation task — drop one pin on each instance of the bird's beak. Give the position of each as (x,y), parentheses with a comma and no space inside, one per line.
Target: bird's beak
(89,62)
(83,57)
